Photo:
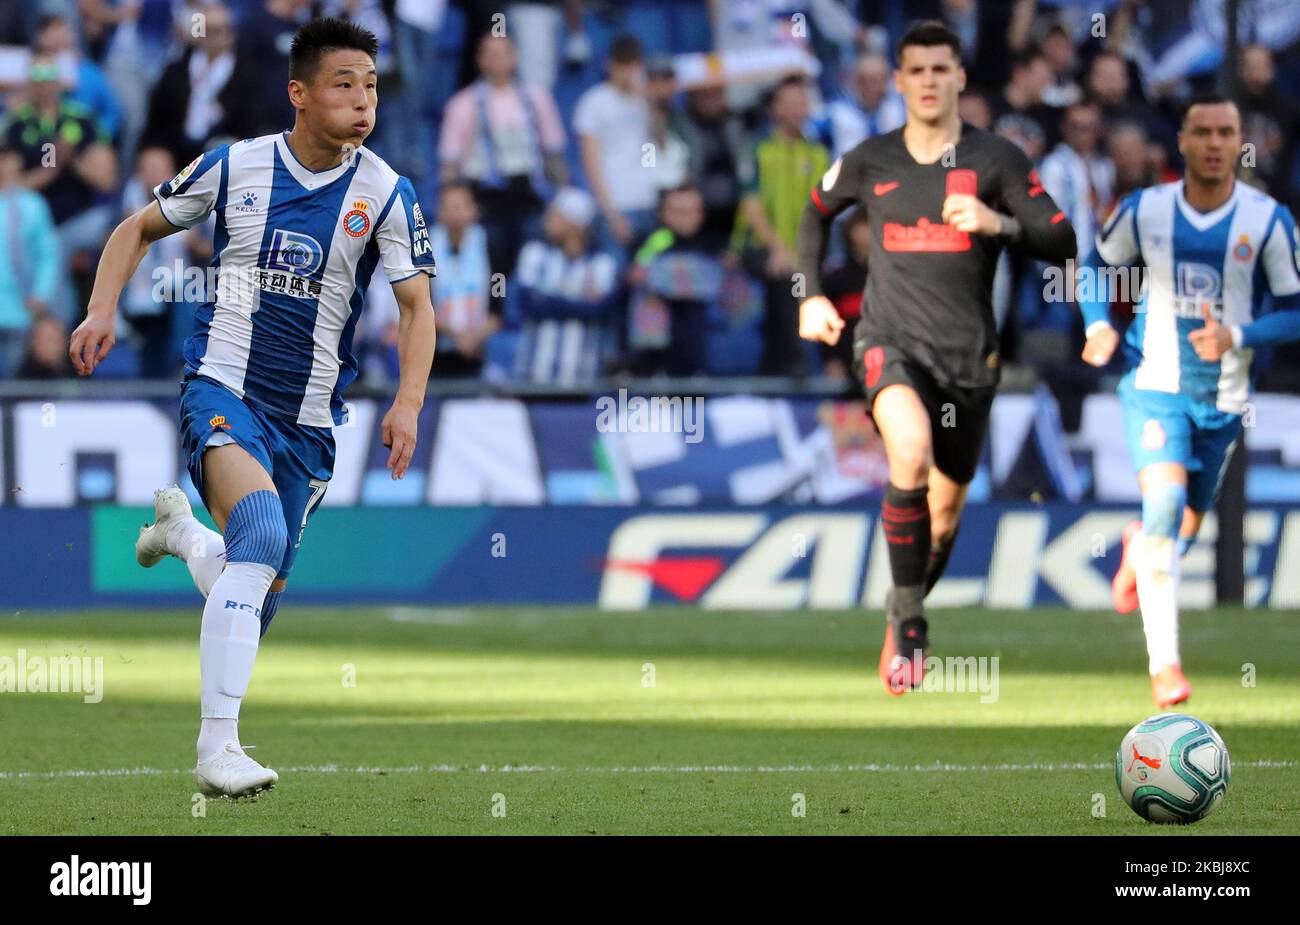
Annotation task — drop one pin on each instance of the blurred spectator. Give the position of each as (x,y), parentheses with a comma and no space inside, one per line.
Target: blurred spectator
(1270,120)
(973,107)
(506,138)
(203,93)
(1108,86)
(149,301)
(716,142)
(46,356)
(1063,63)
(776,178)
(678,275)
(612,121)
(868,109)
(263,40)
(415,107)
(1019,113)
(85,82)
(844,285)
(68,159)
(1078,179)
(671,156)
(461,291)
(29,259)
(1126,145)
(566,293)
(537,28)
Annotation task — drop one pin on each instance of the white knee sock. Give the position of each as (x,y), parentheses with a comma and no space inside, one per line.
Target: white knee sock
(201,549)
(1156,564)
(228,649)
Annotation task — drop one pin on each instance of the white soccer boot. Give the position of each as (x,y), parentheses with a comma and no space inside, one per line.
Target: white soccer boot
(169,505)
(231,773)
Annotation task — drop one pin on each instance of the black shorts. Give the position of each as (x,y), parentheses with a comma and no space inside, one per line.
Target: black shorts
(959,417)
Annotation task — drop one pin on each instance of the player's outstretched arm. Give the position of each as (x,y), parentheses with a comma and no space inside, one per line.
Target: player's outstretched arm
(415,344)
(126,247)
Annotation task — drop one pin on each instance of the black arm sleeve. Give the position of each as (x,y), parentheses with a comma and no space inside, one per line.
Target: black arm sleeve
(835,191)
(1040,229)
(814,231)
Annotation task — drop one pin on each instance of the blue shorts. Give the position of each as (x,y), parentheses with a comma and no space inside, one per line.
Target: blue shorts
(1163,427)
(299,459)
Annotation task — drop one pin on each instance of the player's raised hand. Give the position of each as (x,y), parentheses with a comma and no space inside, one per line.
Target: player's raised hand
(91,342)
(1100,346)
(1212,341)
(818,320)
(966,213)
(398,430)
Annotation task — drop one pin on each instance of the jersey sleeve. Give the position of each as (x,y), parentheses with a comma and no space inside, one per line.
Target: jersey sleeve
(1045,231)
(403,237)
(1117,241)
(840,186)
(189,197)
(1279,264)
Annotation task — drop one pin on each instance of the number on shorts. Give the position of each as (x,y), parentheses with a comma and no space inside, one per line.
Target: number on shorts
(318,487)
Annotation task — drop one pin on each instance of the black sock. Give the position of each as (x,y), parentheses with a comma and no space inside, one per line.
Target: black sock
(940,553)
(905,517)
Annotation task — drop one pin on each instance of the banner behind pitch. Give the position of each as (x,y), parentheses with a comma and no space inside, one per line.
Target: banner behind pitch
(1008,555)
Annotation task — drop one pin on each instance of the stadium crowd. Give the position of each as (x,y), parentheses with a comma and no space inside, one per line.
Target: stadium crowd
(615,186)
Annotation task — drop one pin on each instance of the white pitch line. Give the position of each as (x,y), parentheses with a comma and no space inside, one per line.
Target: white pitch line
(939,767)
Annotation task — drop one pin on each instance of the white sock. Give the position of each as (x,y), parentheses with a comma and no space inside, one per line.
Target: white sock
(228,646)
(201,549)
(215,733)
(1156,564)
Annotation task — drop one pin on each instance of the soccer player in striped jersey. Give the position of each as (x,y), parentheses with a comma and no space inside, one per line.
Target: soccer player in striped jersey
(1211,249)
(303,219)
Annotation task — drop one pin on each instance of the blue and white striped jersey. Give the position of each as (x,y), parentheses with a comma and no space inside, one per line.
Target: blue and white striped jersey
(1228,260)
(294,250)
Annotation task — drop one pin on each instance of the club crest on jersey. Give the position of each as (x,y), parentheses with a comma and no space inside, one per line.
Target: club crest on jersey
(356,223)
(295,252)
(1243,250)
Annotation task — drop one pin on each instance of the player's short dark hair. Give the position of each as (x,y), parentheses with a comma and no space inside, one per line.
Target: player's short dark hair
(625,49)
(1206,98)
(927,34)
(320,36)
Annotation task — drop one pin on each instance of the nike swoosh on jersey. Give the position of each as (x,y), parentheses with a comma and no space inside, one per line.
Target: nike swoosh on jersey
(881,188)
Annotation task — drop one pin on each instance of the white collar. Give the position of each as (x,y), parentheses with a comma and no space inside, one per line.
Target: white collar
(310,179)
(1203,220)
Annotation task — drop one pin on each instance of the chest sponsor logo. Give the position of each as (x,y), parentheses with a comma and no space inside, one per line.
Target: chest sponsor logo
(294,252)
(924,236)
(1197,286)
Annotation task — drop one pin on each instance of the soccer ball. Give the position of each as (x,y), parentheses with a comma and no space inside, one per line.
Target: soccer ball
(1172,768)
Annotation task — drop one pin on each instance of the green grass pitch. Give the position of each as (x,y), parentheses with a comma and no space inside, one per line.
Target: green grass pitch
(532,720)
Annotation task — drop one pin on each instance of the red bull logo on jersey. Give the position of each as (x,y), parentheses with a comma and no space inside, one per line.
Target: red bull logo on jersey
(356,223)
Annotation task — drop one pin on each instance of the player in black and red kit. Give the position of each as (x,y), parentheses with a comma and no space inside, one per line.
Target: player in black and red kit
(943,198)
